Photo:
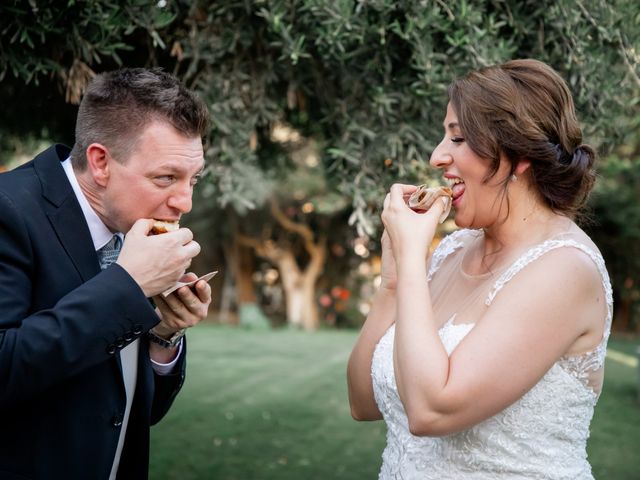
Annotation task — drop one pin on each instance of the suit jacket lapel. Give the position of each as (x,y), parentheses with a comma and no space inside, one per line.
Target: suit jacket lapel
(66,216)
(65,213)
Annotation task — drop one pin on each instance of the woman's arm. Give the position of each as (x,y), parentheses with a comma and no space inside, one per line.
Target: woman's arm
(380,318)
(535,320)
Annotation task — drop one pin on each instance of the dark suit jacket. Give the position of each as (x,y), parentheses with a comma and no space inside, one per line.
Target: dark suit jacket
(62,322)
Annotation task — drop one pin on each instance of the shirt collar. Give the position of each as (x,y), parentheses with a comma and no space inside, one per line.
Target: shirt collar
(100,234)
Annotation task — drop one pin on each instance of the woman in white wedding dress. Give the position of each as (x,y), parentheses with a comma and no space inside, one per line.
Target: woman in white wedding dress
(487,360)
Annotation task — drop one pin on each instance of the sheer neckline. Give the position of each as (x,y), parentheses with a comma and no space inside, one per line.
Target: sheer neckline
(478,235)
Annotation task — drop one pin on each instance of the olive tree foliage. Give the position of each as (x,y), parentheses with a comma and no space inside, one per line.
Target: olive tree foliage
(616,230)
(367,80)
(50,49)
(41,38)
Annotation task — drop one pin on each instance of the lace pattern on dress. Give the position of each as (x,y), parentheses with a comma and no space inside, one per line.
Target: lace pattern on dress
(579,366)
(446,247)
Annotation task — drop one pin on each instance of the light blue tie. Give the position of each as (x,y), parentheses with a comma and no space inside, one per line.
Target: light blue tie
(109,253)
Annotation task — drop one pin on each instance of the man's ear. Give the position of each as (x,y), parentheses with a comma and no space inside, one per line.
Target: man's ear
(98,163)
(523,166)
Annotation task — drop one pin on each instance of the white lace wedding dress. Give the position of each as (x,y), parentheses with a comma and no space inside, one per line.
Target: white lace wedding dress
(543,435)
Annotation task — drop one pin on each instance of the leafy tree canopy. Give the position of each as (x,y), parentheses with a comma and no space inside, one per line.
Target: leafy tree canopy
(368,79)
(365,79)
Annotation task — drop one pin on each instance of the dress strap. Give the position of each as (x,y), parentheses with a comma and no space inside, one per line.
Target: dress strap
(539,250)
(446,247)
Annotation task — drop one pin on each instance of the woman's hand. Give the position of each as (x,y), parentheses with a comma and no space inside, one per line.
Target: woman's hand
(408,231)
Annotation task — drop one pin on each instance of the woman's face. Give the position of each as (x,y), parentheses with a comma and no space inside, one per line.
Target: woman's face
(477,203)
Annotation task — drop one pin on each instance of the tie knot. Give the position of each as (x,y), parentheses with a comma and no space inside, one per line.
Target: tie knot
(109,253)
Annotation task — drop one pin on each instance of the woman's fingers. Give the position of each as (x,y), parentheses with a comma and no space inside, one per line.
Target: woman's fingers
(400,192)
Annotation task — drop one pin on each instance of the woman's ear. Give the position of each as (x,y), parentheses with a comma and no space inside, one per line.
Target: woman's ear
(98,163)
(523,166)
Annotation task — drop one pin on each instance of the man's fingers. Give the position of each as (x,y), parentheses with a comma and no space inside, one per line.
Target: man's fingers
(195,299)
(188,277)
(141,227)
(179,306)
(185,235)
(203,291)
(192,249)
(161,303)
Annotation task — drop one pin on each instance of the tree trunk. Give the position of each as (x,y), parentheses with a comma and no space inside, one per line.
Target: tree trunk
(242,261)
(310,315)
(245,267)
(228,296)
(302,310)
(299,287)
(291,283)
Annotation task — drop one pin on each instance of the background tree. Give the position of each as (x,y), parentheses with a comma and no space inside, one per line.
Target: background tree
(617,233)
(50,50)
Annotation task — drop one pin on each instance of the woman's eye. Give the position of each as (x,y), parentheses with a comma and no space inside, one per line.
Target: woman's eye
(457,139)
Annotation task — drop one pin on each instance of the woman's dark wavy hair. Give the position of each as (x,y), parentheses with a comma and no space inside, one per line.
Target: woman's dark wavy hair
(119,105)
(524,110)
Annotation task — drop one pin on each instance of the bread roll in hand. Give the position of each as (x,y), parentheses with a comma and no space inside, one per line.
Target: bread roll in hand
(424,197)
(162,226)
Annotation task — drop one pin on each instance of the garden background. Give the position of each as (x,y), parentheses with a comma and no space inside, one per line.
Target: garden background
(317,107)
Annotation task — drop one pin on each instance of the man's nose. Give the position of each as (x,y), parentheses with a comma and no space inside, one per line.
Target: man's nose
(440,157)
(181,199)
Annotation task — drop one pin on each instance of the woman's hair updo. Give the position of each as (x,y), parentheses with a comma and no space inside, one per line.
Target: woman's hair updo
(524,110)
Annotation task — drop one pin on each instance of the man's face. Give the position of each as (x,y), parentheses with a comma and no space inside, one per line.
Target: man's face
(156,181)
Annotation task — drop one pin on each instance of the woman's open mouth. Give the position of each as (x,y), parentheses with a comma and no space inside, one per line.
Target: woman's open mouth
(457,187)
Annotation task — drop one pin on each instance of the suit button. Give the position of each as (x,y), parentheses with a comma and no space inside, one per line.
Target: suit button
(116,421)
(137,329)
(111,349)
(128,337)
(119,342)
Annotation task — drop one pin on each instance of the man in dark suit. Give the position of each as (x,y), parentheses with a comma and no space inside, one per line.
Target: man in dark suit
(87,363)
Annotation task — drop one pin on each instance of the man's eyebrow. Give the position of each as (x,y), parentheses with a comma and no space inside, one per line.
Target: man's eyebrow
(177,168)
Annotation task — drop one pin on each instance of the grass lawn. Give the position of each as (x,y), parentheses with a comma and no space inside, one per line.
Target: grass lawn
(273,405)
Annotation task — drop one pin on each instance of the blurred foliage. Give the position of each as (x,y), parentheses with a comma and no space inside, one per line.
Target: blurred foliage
(365,79)
(616,211)
(40,38)
(368,79)
(49,49)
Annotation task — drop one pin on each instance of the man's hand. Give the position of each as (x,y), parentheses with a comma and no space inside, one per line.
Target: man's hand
(157,262)
(184,308)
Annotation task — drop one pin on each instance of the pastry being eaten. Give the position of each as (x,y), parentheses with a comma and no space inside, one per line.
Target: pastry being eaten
(424,197)
(161,226)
